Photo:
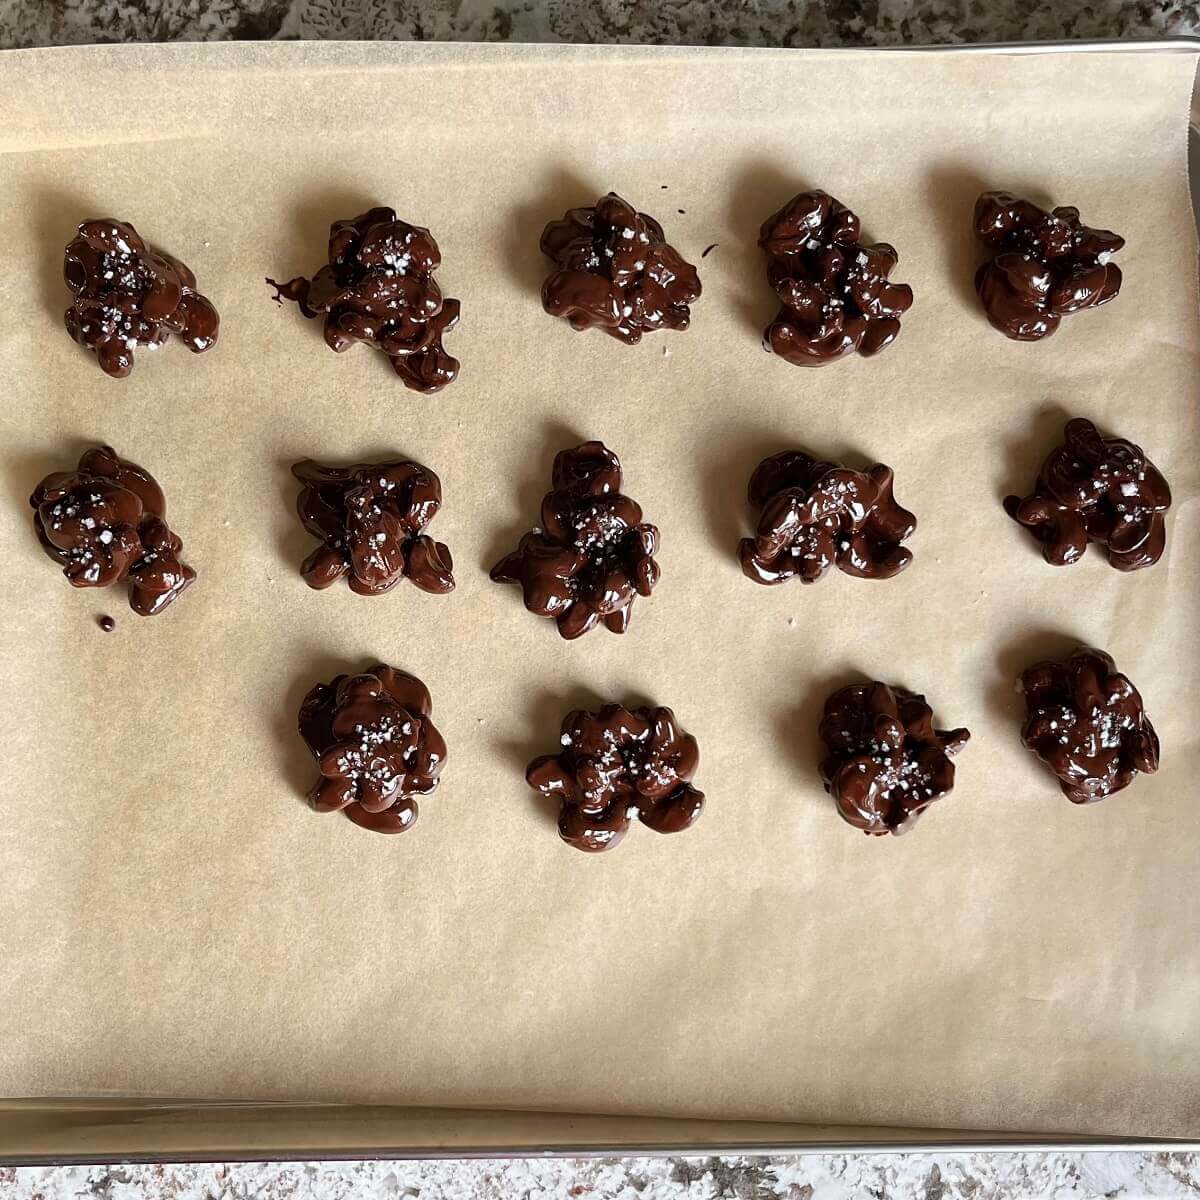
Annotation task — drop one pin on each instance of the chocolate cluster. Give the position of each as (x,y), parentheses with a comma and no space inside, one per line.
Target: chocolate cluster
(614,270)
(616,765)
(886,763)
(1096,489)
(592,555)
(1045,265)
(376,746)
(105,522)
(834,293)
(378,288)
(1085,721)
(815,514)
(127,294)
(370,519)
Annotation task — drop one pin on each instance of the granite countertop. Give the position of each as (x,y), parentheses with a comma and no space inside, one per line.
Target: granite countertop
(790,1177)
(739,22)
(998,1176)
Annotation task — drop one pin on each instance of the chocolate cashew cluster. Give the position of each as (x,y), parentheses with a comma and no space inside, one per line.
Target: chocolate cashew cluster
(592,555)
(105,522)
(815,514)
(886,763)
(376,746)
(1085,721)
(615,765)
(370,519)
(127,294)
(1045,265)
(1096,489)
(834,293)
(378,288)
(614,270)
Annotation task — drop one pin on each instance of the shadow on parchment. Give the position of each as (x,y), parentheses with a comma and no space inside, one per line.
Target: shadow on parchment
(58,215)
(556,192)
(294,543)
(796,727)
(310,222)
(24,471)
(1023,456)
(950,194)
(724,472)
(758,191)
(1004,698)
(533,484)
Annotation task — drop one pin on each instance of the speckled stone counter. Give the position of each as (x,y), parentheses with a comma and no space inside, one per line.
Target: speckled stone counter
(801,1177)
(734,22)
(1005,1176)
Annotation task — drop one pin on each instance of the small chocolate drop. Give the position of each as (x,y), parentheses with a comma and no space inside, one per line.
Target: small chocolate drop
(106,623)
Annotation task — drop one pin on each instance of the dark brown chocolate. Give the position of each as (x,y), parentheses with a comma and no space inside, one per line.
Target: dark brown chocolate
(1044,265)
(815,514)
(378,288)
(615,271)
(834,293)
(886,762)
(593,553)
(376,746)
(105,522)
(1086,723)
(370,519)
(617,764)
(128,294)
(106,623)
(1096,489)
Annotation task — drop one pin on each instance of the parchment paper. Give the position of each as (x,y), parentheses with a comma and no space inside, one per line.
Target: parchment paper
(176,922)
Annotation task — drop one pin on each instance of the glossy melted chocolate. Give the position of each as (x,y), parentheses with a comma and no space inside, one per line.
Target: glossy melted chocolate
(1096,489)
(615,765)
(378,288)
(615,271)
(129,294)
(105,522)
(376,746)
(370,519)
(593,553)
(1045,265)
(834,293)
(815,514)
(1086,723)
(886,762)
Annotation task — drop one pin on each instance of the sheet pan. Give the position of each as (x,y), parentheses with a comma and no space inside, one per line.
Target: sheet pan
(178,925)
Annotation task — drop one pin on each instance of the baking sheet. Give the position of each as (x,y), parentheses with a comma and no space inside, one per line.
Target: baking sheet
(175,922)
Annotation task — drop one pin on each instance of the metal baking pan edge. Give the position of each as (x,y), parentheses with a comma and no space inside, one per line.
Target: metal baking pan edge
(40,1132)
